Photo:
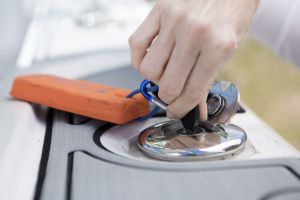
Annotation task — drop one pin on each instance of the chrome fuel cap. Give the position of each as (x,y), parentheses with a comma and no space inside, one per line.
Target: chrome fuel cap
(165,141)
(212,139)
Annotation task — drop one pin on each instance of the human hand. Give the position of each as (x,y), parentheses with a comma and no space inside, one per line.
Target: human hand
(182,44)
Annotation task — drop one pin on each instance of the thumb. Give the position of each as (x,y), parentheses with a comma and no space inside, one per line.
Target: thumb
(203,110)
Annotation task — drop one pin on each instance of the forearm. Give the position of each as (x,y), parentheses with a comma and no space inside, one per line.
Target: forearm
(256,2)
(276,24)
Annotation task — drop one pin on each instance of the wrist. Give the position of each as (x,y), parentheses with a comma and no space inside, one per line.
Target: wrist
(255,2)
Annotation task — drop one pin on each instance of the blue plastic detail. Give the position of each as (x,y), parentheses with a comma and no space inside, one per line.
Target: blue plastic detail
(144,90)
(149,115)
(134,92)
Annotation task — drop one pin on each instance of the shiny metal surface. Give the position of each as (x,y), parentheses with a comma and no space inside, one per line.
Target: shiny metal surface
(159,103)
(215,105)
(224,102)
(212,139)
(164,141)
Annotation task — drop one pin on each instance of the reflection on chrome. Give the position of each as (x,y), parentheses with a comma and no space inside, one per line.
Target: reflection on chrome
(162,141)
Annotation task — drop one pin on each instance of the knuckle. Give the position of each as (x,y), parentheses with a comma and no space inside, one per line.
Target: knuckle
(176,13)
(134,42)
(227,46)
(198,28)
(149,72)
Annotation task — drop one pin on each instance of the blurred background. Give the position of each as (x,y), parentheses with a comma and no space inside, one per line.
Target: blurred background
(269,86)
(36,31)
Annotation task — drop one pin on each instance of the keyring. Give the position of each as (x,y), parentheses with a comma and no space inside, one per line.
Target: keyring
(145,90)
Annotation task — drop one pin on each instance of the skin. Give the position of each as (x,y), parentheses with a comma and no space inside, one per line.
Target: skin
(182,44)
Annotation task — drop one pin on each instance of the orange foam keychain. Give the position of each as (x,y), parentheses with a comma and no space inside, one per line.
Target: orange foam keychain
(81,97)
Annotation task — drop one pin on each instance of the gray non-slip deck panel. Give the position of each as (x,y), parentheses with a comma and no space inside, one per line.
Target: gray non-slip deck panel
(98,174)
(95,173)
(103,180)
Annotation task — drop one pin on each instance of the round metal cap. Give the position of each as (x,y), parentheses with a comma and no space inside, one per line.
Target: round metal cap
(164,141)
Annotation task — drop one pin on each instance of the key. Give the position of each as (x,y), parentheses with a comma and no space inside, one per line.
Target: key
(191,120)
(215,105)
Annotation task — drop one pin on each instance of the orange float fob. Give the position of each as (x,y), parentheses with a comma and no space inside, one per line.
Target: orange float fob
(81,97)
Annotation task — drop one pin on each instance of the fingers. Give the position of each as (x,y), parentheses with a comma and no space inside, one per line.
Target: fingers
(177,71)
(195,90)
(213,55)
(159,54)
(166,50)
(142,38)
(155,60)
(203,109)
